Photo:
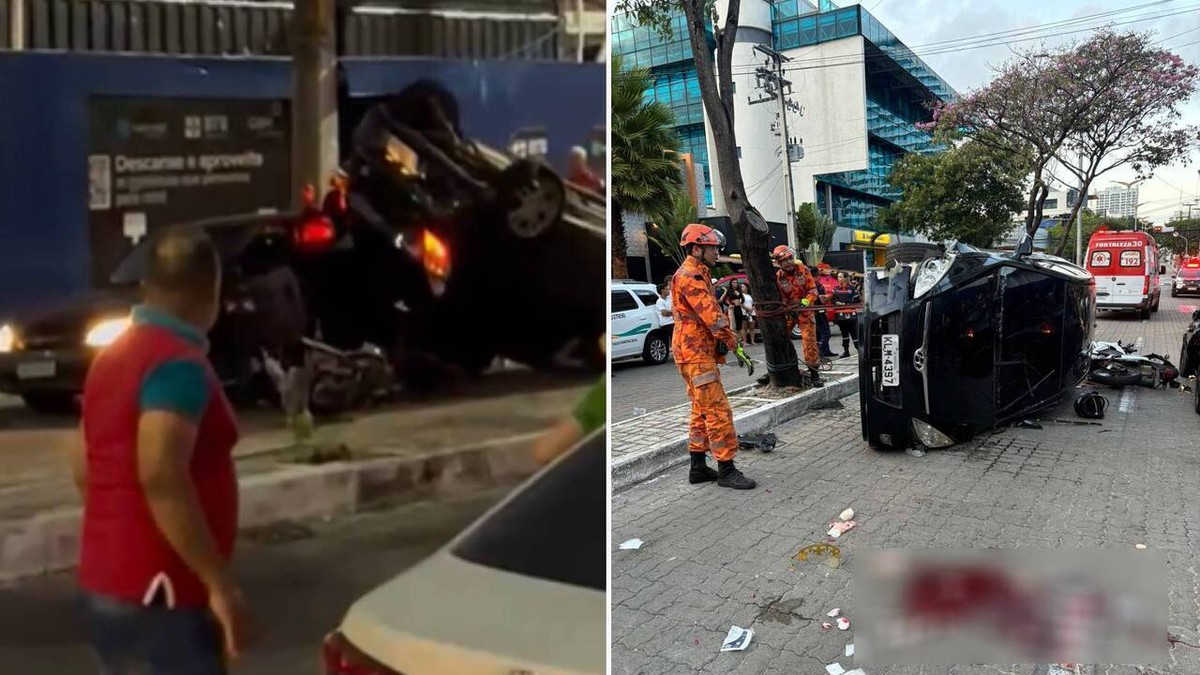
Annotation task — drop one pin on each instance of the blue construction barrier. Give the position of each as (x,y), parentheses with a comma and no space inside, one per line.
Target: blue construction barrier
(44,238)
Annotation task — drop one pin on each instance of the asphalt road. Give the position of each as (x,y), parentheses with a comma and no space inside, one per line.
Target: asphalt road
(299,580)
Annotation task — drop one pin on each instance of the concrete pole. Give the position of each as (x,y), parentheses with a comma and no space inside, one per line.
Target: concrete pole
(16,25)
(787,158)
(314,96)
(579,28)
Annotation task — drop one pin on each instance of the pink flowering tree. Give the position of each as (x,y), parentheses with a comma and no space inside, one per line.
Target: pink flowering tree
(1139,89)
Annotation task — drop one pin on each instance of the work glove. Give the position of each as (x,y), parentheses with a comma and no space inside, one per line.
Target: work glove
(745,361)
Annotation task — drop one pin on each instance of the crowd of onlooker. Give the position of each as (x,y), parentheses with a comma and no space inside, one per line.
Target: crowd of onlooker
(840,291)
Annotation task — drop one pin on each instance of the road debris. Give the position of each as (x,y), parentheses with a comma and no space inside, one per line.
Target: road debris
(737,640)
(1028,424)
(835,668)
(843,623)
(631,544)
(846,515)
(825,625)
(764,442)
(834,612)
(1141,547)
(850,649)
(638,412)
(833,554)
(915,452)
(838,529)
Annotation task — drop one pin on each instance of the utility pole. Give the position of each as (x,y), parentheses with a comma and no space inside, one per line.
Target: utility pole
(773,83)
(314,95)
(16,26)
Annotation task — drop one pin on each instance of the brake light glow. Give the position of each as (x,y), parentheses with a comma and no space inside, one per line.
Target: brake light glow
(341,658)
(436,256)
(315,235)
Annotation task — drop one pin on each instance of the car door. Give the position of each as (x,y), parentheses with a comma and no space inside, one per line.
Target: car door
(626,339)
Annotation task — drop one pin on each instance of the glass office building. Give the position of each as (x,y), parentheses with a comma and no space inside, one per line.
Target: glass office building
(898,84)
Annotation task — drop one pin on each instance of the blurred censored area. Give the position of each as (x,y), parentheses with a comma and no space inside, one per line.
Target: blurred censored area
(989,606)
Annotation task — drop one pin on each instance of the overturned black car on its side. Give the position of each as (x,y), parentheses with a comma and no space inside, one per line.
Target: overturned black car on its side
(967,340)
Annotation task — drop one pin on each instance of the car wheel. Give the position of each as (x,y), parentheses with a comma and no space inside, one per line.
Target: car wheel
(534,197)
(51,402)
(912,252)
(1145,312)
(656,350)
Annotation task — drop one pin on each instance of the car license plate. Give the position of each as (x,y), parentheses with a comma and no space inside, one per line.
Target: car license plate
(36,370)
(890,362)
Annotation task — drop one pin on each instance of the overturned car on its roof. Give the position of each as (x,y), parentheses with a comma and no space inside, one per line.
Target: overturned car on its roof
(969,340)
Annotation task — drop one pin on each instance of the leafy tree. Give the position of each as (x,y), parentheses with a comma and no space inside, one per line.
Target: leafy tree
(806,224)
(967,193)
(1139,90)
(665,235)
(824,229)
(715,75)
(646,173)
(1083,108)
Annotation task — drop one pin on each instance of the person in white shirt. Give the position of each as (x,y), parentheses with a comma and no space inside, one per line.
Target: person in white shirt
(665,318)
(748,306)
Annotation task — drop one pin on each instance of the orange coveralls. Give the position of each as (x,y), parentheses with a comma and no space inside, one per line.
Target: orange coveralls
(793,288)
(699,325)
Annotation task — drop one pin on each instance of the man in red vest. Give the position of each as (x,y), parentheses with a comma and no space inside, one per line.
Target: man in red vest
(157,479)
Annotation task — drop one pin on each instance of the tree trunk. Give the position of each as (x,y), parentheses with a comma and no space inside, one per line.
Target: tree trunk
(783,366)
(618,233)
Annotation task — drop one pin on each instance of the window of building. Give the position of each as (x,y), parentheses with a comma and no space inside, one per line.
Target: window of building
(1051,204)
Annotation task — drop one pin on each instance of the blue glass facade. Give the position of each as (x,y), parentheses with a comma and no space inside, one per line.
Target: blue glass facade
(899,85)
(673,74)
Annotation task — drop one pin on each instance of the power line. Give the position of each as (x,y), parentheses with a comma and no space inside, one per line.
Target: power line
(855,60)
(1190,30)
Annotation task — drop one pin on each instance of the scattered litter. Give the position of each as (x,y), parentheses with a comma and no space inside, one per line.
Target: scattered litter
(850,649)
(825,625)
(1139,546)
(638,412)
(846,515)
(631,545)
(843,623)
(835,668)
(1105,431)
(915,452)
(737,640)
(838,529)
(834,612)
(833,554)
(856,671)
(765,442)
(1027,424)
(1078,423)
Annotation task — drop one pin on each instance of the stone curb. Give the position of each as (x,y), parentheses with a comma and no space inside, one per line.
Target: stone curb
(633,469)
(49,541)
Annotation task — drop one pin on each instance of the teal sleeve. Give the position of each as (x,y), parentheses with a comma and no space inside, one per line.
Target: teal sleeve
(179,386)
(592,411)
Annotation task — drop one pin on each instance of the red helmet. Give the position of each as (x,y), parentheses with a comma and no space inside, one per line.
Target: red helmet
(783,252)
(701,235)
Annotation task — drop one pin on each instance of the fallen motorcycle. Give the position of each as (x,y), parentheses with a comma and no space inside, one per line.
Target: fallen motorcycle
(1116,364)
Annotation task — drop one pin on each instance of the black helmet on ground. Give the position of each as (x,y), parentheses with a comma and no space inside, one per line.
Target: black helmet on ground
(1091,405)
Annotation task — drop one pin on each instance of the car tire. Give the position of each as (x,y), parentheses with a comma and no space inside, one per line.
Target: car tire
(1114,375)
(51,402)
(912,252)
(1145,312)
(656,349)
(533,197)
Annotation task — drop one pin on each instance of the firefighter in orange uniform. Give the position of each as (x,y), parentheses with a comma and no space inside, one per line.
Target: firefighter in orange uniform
(796,285)
(700,331)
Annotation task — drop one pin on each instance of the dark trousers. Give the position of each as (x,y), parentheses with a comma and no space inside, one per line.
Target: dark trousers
(823,334)
(129,638)
(849,329)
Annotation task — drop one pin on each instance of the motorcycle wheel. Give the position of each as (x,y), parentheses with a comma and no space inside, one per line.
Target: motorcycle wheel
(1114,375)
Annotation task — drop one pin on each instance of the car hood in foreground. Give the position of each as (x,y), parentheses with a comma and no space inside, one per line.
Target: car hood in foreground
(76,313)
(448,616)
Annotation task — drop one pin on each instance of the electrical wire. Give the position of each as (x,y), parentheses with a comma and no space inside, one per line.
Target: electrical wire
(851,60)
(1190,30)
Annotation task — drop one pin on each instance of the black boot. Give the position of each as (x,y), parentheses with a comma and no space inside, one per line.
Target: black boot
(701,472)
(845,349)
(814,377)
(730,477)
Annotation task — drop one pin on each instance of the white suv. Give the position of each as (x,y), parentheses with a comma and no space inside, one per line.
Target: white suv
(636,328)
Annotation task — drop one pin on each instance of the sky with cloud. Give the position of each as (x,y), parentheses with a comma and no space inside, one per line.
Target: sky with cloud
(1175,22)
